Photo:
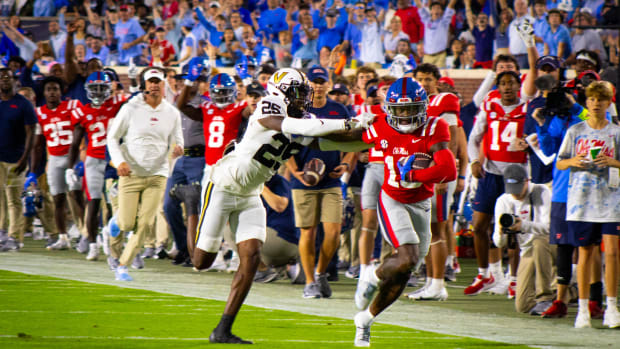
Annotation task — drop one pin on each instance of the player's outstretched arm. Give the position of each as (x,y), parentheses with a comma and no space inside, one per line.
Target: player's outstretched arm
(349,141)
(304,127)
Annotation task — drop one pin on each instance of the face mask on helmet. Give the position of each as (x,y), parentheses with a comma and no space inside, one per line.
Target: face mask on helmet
(406,117)
(299,97)
(97,93)
(223,97)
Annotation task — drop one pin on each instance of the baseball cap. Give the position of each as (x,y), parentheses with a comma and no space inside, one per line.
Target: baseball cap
(339,88)
(255,88)
(214,4)
(586,56)
(124,8)
(515,177)
(553,61)
(372,91)
(332,12)
(153,73)
(317,72)
(160,29)
(369,8)
(447,80)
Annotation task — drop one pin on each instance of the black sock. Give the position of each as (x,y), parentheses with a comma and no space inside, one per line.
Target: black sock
(225,325)
(596,293)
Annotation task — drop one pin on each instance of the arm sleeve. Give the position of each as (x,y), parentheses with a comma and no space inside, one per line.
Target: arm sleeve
(447,16)
(178,130)
(484,88)
(475,137)
(443,171)
(353,146)
(116,132)
(501,206)
(425,16)
(311,127)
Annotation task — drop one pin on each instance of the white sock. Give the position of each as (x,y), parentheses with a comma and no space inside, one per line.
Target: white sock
(612,303)
(450,260)
(363,268)
(513,279)
(63,237)
(374,279)
(583,306)
(484,272)
(437,284)
(92,246)
(428,282)
(496,268)
(365,318)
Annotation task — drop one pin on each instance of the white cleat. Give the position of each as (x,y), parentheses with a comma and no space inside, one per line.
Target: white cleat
(365,288)
(611,318)
(362,331)
(234,264)
(60,244)
(93,252)
(429,294)
(582,320)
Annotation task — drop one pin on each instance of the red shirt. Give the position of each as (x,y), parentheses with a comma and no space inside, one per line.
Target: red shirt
(167,51)
(502,128)
(169,10)
(412,24)
(220,128)
(358,101)
(444,103)
(56,126)
(396,145)
(96,122)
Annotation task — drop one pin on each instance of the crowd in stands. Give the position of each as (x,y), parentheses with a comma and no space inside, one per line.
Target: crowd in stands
(518,164)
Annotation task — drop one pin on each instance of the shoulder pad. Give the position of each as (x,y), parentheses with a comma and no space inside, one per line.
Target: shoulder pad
(271,105)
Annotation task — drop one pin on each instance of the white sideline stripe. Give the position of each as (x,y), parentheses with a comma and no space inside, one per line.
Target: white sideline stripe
(177,339)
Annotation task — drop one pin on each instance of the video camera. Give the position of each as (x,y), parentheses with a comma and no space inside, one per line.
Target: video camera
(557,103)
(507,220)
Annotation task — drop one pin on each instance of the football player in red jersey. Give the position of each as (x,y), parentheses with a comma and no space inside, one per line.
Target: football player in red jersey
(405,199)
(221,118)
(499,126)
(56,129)
(447,107)
(92,121)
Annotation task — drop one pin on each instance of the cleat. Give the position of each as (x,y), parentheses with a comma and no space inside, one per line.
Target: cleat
(149,252)
(556,310)
(362,332)
(296,274)
(611,318)
(11,245)
(540,308)
(228,338)
(4,235)
(93,252)
(449,274)
(353,272)
(428,294)
(219,264)
(343,265)
(172,253)
(595,310)
(74,232)
(60,244)
(160,252)
(365,289)
(326,291)
(413,281)
(582,320)
(138,262)
(456,266)
(500,288)
(82,245)
(266,276)
(480,284)
(113,263)
(122,274)
(233,265)
(512,290)
(312,290)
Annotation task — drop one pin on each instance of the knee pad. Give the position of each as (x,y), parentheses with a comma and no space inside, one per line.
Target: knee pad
(564,263)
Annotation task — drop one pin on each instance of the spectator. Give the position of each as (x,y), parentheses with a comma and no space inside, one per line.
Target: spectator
(516,46)
(331,34)
(7,46)
(557,39)
(189,47)
(169,9)
(75,73)
(541,25)
(593,205)
(321,203)
(353,35)
(129,34)
(44,8)
(57,37)
(468,60)
(454,61)
(215,32)
(436,31)
(227,50)
(529,207)
(412,24)
(237,25)
(167,53)
(586,39)
(340,93)
(371,51)
(305,39)
(284,58)
(273,20)
(501,34)
(483,30)
(393,38)
(237,7)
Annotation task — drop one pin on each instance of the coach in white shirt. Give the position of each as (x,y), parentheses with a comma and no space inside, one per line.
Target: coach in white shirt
(149,126)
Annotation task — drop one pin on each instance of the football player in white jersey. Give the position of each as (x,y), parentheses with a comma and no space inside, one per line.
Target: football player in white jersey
(277,130)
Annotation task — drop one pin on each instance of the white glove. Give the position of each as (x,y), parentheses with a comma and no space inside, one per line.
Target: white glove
(365,117)
(71,177)
(132,72)
(526,32)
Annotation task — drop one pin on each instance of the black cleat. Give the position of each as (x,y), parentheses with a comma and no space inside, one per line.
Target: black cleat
(227,339)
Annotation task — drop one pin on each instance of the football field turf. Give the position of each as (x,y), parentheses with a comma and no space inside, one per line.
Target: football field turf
(59,300)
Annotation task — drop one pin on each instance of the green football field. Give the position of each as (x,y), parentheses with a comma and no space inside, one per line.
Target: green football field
(59,300)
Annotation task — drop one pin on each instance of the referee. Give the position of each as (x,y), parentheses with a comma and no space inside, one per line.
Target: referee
(149,127)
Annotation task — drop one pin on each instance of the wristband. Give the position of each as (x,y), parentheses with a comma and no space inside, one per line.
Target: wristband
(461,177)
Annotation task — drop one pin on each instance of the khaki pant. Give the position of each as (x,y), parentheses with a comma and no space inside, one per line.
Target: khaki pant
(137,196)
(4,214)
(314,206)
(349,240)
(535,276)
(276,251)
(158,233)
(437,59)
(14,185)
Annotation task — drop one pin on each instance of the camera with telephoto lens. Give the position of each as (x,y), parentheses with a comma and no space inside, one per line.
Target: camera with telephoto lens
(507,220)
(557,103)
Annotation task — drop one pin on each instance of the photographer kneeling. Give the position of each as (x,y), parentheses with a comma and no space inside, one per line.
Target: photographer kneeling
(522,216)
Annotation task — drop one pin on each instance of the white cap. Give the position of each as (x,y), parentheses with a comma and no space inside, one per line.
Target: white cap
(153,73)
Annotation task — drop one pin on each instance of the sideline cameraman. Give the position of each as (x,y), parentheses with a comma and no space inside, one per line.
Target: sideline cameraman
(527,207)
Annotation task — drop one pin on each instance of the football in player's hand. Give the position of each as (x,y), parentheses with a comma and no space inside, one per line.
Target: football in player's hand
(314,171)
(421,161)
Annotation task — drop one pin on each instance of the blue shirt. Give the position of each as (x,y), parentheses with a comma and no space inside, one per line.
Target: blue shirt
(215,36)
(103,55)
(44,8)
(302,46)
(541,27)
(540,173)
(553,40)
(331,110)
(125,33)
(273,22)
(284,222)
(484,43)
(14,115)
(329,38)
(353,34)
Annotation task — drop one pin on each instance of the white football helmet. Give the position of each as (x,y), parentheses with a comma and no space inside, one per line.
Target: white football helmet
(292,85)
